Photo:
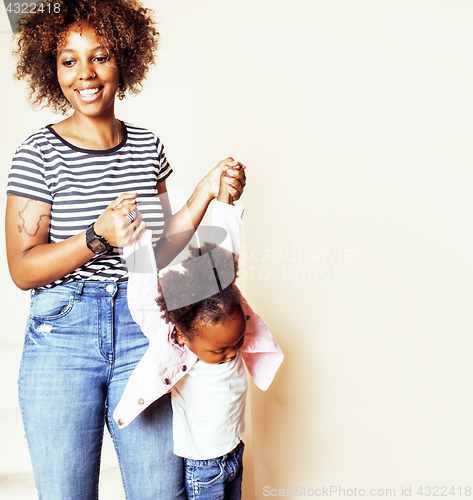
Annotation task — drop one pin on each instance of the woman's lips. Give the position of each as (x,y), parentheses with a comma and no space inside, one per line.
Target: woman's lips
(89,94)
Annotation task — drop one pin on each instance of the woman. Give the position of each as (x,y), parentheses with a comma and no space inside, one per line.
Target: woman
(73,197)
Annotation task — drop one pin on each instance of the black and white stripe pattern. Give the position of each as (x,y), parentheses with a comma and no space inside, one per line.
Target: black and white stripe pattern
(80,183)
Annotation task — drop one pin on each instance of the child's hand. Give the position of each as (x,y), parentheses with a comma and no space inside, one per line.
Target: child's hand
(223,195)
(235,179)
(233,176)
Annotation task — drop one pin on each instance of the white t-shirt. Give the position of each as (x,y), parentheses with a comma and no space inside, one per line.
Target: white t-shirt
(209,409)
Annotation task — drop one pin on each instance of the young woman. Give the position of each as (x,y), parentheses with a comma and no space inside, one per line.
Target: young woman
(77,191)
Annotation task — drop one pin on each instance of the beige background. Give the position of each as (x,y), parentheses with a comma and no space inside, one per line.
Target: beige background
(354,118)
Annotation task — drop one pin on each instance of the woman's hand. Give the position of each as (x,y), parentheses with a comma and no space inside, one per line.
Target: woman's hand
(234,177)
(116,226)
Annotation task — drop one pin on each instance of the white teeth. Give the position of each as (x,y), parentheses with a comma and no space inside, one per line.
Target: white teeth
(88,92)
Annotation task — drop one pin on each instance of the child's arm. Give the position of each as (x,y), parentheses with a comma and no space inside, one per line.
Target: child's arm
(143,284)
(226,216)
(223,195)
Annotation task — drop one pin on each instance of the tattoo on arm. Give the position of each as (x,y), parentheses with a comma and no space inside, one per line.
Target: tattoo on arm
(31,230)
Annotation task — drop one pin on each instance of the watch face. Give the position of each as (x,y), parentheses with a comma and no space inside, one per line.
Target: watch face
(97,246)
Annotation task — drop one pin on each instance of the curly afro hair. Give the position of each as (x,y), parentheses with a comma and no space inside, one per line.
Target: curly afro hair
(195,281)
(125,26)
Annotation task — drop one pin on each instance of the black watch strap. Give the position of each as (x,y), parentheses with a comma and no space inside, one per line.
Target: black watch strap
(96,243)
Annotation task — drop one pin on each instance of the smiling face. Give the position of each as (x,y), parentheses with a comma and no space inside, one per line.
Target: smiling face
(217,343)
(87,72)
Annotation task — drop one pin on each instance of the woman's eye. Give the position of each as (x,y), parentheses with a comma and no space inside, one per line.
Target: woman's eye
(220,351)
(101,59)
(68,64)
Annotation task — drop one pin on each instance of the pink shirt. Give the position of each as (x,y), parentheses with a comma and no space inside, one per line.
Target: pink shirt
(165,362)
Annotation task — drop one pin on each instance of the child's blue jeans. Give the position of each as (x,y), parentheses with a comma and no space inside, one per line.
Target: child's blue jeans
(216,479)
(81,346)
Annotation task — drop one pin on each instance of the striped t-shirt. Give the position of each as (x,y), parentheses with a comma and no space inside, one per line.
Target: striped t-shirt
(80,183)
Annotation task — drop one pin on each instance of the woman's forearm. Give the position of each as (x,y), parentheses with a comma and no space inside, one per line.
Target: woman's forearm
(48,262)
(34,262)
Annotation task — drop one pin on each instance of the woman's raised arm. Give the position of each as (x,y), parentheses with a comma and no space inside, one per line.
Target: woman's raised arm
(180,227)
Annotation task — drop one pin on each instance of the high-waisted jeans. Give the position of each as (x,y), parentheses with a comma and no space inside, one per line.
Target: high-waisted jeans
(81,346)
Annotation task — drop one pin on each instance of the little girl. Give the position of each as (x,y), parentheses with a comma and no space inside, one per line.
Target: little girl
(198,353)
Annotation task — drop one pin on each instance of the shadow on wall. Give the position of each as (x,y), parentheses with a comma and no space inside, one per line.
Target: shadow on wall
(281,420)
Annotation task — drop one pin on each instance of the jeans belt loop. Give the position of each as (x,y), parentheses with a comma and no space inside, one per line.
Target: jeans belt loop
(80,287)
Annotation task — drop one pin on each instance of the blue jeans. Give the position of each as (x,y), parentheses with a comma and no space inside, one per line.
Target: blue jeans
(215,479)
(81,346)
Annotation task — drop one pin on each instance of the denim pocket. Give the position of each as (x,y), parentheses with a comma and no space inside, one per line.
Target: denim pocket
(50,306)
(209,474)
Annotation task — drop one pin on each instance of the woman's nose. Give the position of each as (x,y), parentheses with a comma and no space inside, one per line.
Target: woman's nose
(86,72)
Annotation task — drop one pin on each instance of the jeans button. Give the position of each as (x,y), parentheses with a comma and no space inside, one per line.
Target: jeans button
(110,288)
(141,401)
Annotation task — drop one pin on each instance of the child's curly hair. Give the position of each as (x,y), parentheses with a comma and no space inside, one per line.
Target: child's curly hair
(125,26)
(196,281)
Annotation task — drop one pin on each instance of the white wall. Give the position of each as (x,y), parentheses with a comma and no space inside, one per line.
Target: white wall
(355,121)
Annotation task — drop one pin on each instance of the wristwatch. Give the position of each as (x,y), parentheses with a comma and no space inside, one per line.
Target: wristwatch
(96,243)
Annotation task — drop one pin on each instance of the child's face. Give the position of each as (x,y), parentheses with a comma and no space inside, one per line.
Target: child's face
(218,343)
